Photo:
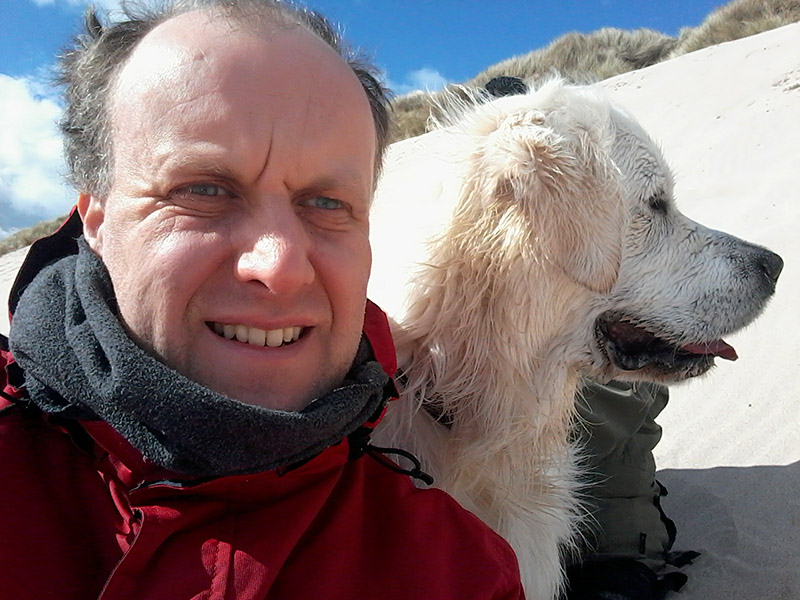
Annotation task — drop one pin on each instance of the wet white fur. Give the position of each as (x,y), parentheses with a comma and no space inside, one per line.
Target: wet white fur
(498,240)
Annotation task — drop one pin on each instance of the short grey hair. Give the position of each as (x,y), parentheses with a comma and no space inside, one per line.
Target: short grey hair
(88,71)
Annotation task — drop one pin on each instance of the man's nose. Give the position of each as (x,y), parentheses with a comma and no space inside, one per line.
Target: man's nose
(279,258)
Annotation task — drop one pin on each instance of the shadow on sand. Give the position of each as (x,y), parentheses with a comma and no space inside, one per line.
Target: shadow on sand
(746,523)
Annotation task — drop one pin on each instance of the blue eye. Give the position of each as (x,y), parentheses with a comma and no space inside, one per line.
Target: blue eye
(324,202)
(205,189)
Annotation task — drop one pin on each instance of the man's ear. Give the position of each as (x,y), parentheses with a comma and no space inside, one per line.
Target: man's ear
(92,212)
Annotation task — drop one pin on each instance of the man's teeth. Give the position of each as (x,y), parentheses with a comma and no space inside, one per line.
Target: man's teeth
(258,337)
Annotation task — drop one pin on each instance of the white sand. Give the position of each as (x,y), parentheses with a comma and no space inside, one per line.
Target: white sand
(9,264)
(728,118)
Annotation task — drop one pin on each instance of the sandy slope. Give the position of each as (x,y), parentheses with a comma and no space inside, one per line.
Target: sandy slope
(9,264)
(728,118)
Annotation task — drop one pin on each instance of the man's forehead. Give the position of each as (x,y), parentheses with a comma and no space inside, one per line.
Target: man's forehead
(203,54)
(199,86)
(193,27)
(186,40)
(189,44)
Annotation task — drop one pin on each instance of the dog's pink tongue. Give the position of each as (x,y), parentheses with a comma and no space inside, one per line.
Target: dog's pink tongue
(718,348)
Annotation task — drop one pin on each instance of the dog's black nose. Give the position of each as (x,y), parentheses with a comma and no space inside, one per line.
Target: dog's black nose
(771,264)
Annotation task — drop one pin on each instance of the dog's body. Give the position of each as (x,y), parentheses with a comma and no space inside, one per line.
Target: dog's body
(544,247)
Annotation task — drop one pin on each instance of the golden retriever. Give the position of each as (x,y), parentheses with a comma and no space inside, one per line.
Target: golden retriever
(530,242)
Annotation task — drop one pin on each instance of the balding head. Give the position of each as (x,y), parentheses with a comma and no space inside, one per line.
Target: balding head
(89,70)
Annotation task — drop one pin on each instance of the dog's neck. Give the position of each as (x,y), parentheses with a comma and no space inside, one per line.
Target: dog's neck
(506,374)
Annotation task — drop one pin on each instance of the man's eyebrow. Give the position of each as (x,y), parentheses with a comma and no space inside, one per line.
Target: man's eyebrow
(202,165)
(346,178)
(351,180)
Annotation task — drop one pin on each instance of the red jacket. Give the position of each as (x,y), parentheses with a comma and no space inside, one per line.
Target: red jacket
(83,515)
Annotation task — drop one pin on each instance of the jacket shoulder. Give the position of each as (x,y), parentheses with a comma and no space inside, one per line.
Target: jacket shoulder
(55,510)
(443,544)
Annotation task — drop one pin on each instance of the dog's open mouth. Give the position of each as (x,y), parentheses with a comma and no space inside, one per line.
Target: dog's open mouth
(631,347)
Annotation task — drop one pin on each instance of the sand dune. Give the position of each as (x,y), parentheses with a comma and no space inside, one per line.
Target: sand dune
(9,264)
(728,118)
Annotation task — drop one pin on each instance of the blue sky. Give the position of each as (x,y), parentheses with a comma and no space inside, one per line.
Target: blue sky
(419,44)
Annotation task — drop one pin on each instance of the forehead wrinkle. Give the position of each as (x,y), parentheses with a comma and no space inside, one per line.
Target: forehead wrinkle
(201,164)
(312,117)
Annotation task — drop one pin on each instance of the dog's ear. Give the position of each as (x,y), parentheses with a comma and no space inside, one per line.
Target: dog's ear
(562,173)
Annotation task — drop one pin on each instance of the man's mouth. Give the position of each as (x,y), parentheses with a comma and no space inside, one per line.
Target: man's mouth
(254,336)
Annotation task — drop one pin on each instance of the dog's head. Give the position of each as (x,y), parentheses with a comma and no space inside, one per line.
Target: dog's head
(550,162)
(682,286)
(659,291)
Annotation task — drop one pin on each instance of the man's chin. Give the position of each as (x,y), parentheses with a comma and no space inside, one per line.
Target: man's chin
(288,399)
(289,396)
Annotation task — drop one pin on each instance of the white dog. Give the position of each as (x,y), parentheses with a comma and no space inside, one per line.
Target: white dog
(529,243)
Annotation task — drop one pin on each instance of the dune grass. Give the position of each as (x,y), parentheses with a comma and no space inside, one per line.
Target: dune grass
(579,57)
(590,57)
(735,20)
(25,237)
(583,57)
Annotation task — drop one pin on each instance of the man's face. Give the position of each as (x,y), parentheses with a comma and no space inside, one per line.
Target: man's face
(239,208)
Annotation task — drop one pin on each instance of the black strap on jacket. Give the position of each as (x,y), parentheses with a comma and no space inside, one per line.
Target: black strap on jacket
(360,445)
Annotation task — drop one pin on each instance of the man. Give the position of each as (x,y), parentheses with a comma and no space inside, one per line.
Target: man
(191,384)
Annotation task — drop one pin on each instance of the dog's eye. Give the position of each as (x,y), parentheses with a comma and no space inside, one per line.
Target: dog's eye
(658,203)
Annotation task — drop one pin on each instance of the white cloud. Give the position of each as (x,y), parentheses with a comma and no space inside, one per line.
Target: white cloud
(31,160)
(428,79)
(106,5)
(424,79)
